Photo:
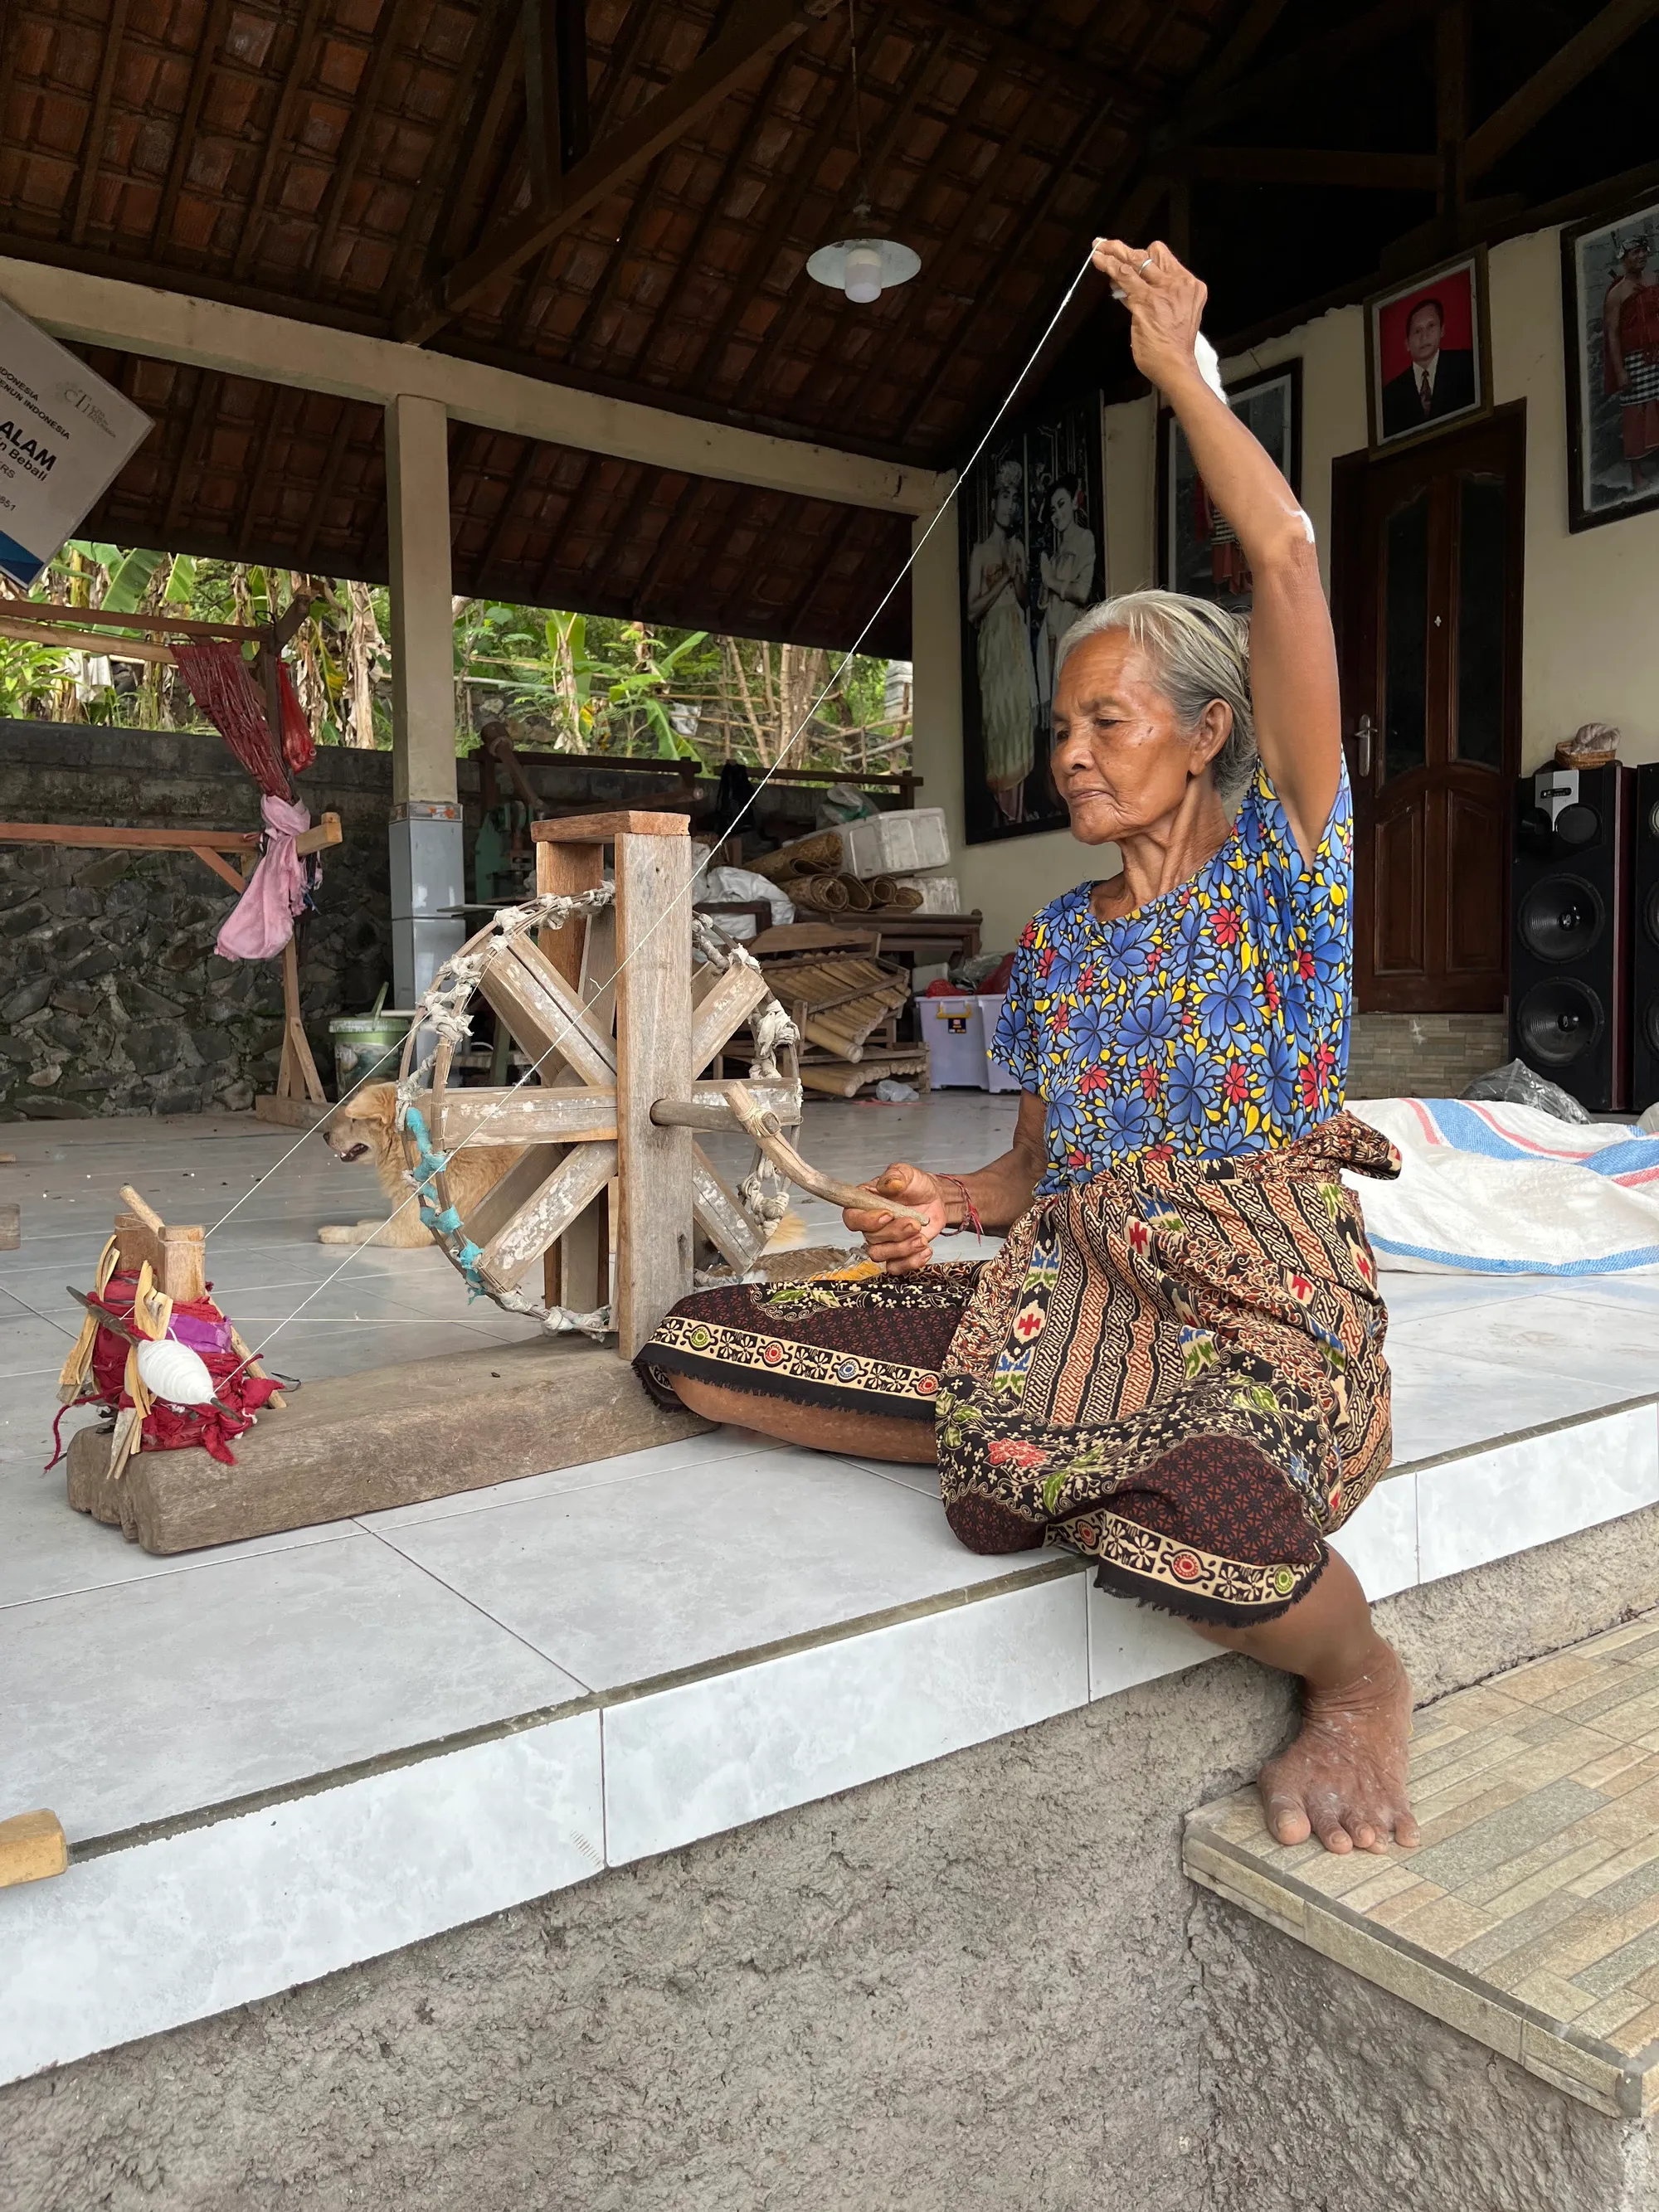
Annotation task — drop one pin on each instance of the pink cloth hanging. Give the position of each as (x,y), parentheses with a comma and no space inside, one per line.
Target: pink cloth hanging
(262,920)
(232,698)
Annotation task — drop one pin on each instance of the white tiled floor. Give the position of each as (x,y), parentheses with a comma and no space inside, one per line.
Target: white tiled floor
(823,1625)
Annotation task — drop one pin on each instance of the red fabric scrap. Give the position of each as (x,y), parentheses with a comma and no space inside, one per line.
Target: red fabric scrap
(169,1428)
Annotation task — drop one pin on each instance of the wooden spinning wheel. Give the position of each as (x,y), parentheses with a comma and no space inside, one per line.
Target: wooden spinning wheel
(607,1007)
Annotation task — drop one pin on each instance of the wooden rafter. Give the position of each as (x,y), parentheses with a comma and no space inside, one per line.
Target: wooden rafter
(183,144)
(941,259)
(646,583)
(301,59)
(92,145)
(806,297)
(1254,25)
(573,501)
(280,402)
(824,558)
(482,78)
(359,120)
(1567,68)
(203,418)
(802,178)
(1107,78)
(1299,165)
(757,30)
(690,262)
(518,484)
(1323,57)
(1018,249)
(325,488)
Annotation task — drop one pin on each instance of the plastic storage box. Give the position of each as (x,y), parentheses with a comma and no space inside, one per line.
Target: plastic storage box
(953,1030)
(939,894)
(891,844)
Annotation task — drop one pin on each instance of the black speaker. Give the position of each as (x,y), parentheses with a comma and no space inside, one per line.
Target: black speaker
(1570,945)
(1645,944)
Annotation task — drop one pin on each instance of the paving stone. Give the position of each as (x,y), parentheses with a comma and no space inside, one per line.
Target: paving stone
(1536,1892)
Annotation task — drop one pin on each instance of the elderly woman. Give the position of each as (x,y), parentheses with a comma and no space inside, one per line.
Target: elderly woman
(1175,1365)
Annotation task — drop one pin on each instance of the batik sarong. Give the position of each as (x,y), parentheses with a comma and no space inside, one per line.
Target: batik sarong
(1175,1369)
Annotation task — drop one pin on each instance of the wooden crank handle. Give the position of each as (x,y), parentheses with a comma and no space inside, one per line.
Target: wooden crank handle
(764,1127)
(145,1211)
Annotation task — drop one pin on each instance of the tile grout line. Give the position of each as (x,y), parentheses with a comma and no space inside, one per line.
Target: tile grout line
(635,1692)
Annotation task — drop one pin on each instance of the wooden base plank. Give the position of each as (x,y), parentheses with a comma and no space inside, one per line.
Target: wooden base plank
(390,1435)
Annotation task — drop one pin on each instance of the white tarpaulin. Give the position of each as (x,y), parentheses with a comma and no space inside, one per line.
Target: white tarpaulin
(64,435)
(1506,1190)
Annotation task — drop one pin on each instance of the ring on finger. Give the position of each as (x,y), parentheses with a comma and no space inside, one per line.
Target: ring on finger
(1145,266)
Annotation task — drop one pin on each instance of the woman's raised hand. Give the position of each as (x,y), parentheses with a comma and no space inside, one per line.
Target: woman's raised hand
(1165,303)
(901,1246)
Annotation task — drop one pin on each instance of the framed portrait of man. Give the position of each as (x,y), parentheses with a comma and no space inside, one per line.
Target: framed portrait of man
(1198,552)
(1428,354)
(1033,557)
(1610,317)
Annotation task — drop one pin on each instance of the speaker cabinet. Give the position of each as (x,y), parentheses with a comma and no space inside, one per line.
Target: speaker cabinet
(1645,944)
(1570,952)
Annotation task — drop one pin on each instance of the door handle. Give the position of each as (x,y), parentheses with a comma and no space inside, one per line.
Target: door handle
(1362,731)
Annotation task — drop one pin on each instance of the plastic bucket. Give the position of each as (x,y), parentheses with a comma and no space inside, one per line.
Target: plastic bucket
(361,1041)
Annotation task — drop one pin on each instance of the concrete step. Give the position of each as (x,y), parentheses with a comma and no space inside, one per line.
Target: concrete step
(1475,2023)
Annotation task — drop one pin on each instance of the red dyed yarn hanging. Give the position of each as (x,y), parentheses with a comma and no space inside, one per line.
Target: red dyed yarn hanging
(233,698)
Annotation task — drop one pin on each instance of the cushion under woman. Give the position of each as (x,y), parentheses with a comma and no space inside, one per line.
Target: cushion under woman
(1175,1365)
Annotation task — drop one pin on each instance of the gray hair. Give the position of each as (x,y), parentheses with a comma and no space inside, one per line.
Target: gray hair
(1201,652)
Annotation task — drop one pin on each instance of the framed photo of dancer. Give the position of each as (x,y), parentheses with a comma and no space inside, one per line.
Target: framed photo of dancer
(1610,317)
(1032,552)
(1428,354)
(1197,550)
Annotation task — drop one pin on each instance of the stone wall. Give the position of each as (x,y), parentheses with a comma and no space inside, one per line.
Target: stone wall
(111,998)
(983,1985)
(1423,1055)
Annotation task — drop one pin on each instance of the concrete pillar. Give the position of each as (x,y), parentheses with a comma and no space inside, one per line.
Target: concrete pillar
(427,873)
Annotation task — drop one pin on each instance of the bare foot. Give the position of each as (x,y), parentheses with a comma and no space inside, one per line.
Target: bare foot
(1344,1779)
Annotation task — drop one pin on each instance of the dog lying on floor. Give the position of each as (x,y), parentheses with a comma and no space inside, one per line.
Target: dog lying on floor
(366,1128)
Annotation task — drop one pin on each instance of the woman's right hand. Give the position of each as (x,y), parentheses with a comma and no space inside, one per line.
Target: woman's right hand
(901,1246)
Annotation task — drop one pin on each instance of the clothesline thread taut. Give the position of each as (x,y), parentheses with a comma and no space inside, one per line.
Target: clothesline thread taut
(551,1049)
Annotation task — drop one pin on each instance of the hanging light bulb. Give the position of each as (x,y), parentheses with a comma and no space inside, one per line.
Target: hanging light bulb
(862,266)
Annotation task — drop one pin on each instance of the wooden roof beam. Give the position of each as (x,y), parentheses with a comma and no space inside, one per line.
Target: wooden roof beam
(757,30)
(183,144)
(277,349)
(1565,70)
(97,121)
(1300,165)
(1323,57)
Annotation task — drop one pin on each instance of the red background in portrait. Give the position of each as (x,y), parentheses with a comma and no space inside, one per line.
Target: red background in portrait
(1454,292)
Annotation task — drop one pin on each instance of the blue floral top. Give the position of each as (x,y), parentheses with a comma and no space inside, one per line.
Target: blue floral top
(1214,1018)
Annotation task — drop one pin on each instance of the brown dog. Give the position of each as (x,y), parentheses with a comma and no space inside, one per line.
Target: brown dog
(366,1128)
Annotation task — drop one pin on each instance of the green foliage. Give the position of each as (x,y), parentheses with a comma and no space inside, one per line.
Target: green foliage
(578,684)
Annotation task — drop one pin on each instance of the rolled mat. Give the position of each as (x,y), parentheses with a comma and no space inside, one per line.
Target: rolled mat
(824,894)
(818,854)
(859,898)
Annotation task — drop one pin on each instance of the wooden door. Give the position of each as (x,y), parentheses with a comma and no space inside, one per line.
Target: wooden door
(1426,576)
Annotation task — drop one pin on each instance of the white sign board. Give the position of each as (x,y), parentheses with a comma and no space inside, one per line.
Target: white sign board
(64,435)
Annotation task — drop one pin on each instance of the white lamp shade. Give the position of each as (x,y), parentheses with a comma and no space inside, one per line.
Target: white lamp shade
(864,268)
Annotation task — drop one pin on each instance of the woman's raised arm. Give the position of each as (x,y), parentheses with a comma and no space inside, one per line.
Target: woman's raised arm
(1293,683)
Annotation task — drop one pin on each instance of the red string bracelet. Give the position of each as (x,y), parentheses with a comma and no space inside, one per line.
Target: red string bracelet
(970,1212)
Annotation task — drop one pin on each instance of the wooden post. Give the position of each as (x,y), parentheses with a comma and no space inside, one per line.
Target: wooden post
(653,1059)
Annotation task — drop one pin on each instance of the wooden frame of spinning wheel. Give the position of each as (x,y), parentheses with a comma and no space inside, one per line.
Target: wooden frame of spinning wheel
(588,1124)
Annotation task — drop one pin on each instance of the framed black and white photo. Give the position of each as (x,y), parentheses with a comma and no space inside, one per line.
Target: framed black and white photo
(1197,550)
(1033,557)
(1428,354)
(1610,317)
